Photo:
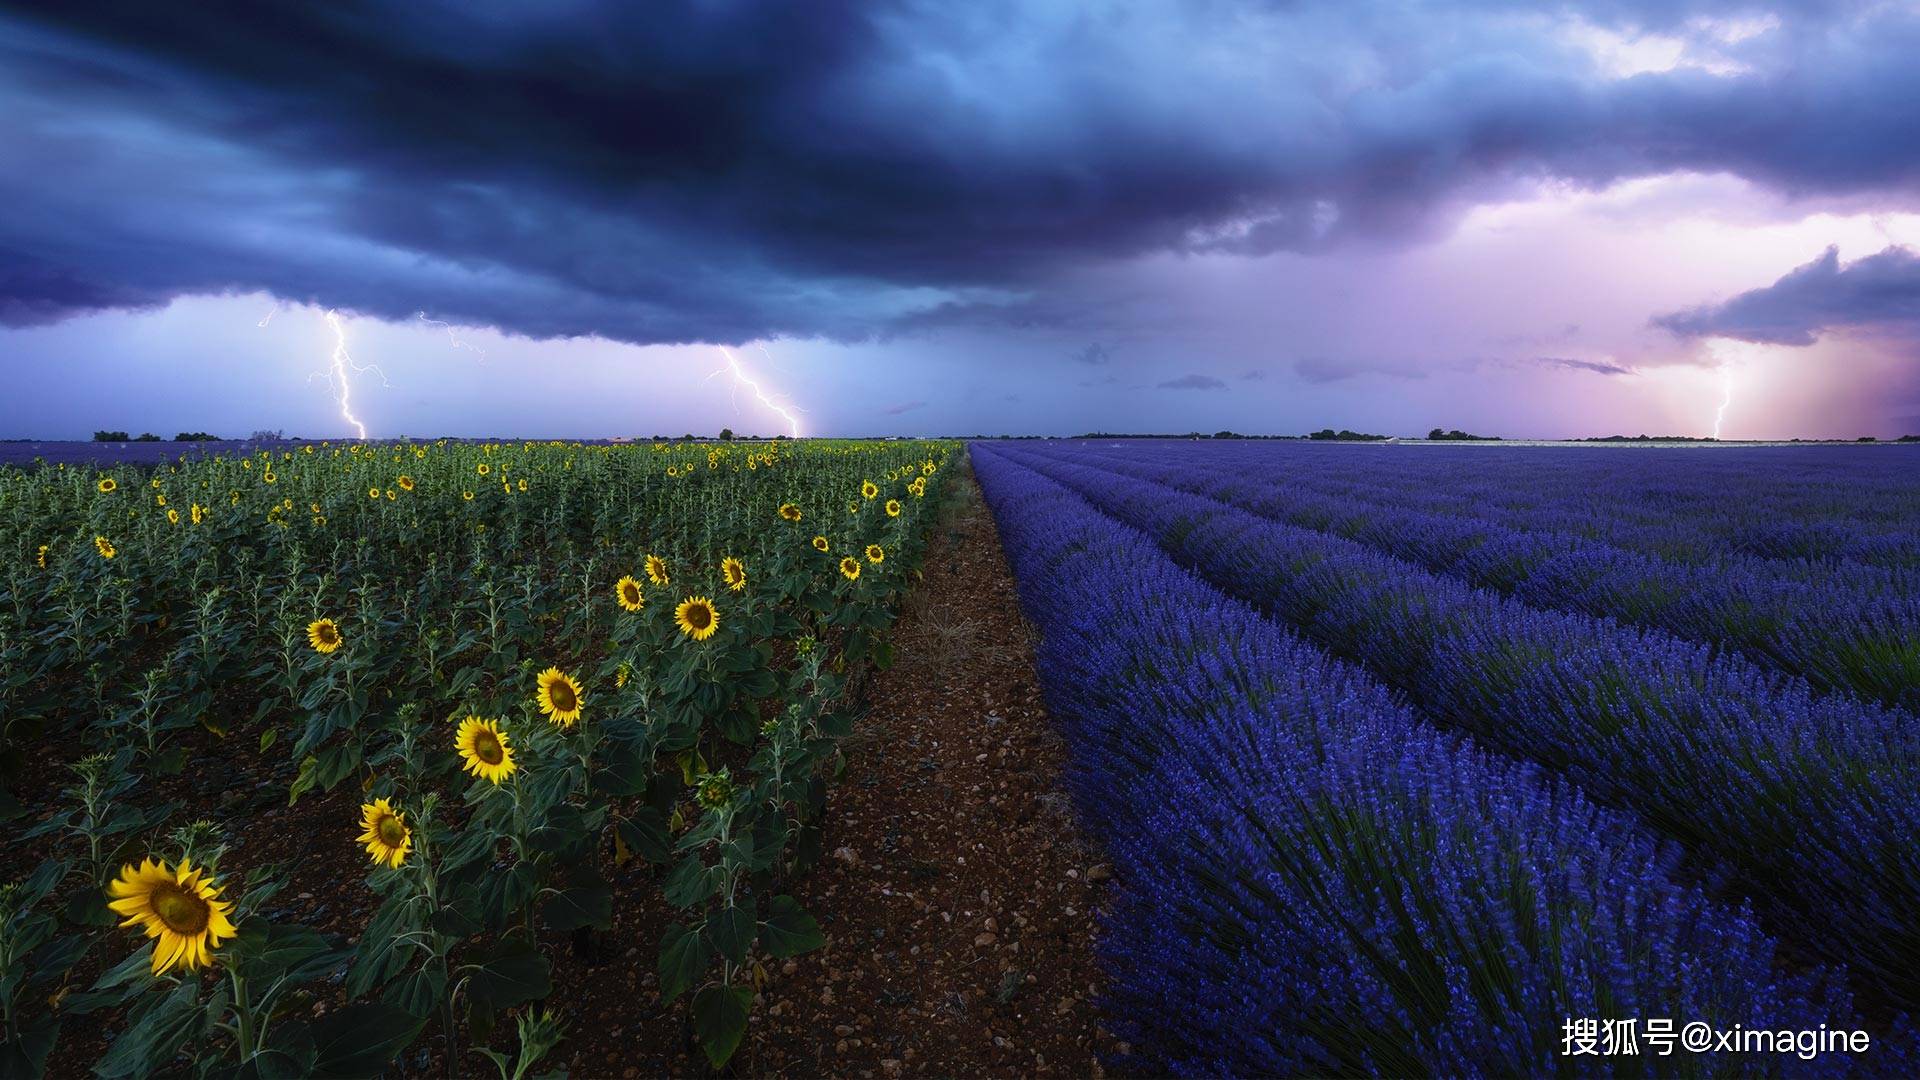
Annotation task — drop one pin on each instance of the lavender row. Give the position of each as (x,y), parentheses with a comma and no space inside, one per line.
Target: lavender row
(1825,515)
(1859,642)
(1813,800)
(1311,880)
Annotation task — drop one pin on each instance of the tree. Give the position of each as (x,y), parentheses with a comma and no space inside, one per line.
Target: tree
(726,434)
(111,436)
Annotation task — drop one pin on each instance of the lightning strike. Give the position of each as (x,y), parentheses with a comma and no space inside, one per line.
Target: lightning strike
(454,339)
(341,366)
(740,378)
(271,312)
(1726,399)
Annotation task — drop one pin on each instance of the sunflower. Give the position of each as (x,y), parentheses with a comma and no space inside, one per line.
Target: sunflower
(373,493)
(628,592)
(385,832)
(485,749)
(467,495)
(405,482)
(268,476)
(876,553)
(559,697)
(735,574)
(893,507)
(390,495)
(173,517)
(159,500)
(323,635)
(523,485)
(483,468)
(104,547)
(820,543)
(850,568)
(657,570)
(868,489)
(42,557)
(697,617)
(107,485)
(790,512)
(180,907)
(197,512)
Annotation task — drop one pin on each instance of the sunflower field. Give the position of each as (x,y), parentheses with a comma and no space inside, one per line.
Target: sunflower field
(537,669)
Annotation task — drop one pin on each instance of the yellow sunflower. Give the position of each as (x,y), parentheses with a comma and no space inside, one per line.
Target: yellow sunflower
(628,592)
(467,495)
(405,482)
(373,493)
(868,489)
(159,500)
(876,553)
(104,547)
(391,495)
(108,485)
(323,635)
(559,697)
(657,570)
(523,485)
(268,476)
(173,517)
(485,749)
(180,907)
(483,468)
(697,617)
(820,543)
(790,512)
(893,507)
(850,568)
(384,831)
(735,573)
(197,512)
(42,557)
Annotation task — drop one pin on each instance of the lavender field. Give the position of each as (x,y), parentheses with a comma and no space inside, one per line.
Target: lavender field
(1409,760)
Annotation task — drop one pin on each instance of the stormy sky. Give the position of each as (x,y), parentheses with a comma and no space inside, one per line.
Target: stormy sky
(907,217)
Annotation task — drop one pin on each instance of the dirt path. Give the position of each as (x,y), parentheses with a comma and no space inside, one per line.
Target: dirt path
(959,900)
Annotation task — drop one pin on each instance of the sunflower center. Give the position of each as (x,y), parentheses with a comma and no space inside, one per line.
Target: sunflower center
(699,617)
(391,832)
(182,911)
(487,748)
(562,696)
(631,593)
(326,633)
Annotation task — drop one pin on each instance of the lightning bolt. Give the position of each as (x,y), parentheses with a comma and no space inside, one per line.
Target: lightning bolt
(452,337)
(341,365)
(1726,398)
(741,378)
(271,312)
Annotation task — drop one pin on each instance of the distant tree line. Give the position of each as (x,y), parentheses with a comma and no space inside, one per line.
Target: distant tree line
(1456,435)
(148,436)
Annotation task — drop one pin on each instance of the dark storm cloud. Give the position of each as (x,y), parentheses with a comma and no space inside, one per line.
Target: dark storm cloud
(1193,382)
(1598,367)
(1880,293)
(904,407)
(707,172)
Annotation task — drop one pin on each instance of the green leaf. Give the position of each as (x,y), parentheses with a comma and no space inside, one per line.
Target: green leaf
(296,953)
(720,1020)
(419,992)
(645,834)
(691,882)
(586,905)
(153,1036)
(683,960)
(507,973)
(731,929)
(26,1056)
(361,1040)
(788,929)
